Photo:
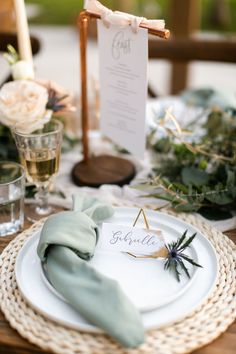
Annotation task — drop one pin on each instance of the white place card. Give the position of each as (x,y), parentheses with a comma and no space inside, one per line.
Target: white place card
(122,238)
(123,57)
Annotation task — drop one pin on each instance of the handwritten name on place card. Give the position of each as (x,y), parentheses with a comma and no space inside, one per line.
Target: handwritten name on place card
(137,240)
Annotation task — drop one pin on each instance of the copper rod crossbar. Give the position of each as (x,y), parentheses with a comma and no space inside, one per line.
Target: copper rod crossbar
(82,24)
(83,29)
(159,33)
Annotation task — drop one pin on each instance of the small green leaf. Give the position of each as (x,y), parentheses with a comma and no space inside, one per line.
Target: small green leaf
(188,259)
(189,207)
(182,265)
(187,243)
(181,187)
(194,176)
(220,198)
(181,239)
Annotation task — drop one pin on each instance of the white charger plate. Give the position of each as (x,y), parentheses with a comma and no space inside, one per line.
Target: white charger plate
(144,281)
(130,273)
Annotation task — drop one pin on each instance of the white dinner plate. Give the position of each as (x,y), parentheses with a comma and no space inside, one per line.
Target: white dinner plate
(144,281)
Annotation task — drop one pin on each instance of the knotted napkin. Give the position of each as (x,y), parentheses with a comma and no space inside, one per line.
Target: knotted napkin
(67,242)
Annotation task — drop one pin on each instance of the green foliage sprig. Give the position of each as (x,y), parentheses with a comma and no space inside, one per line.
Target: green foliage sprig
(197,175)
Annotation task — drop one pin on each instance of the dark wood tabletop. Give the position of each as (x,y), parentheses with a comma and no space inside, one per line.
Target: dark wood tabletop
(12,343)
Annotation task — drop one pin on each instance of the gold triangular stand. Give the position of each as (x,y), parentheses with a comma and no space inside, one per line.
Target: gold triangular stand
(141,211)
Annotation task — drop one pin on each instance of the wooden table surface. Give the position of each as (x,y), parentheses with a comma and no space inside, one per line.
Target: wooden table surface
(12,343)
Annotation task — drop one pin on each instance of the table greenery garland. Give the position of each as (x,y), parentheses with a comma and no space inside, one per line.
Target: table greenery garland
(196,173)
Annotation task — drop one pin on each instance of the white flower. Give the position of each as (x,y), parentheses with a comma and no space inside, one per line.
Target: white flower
(22,69)
(23,106)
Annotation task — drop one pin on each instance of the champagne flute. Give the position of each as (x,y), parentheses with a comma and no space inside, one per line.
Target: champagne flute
(40,154)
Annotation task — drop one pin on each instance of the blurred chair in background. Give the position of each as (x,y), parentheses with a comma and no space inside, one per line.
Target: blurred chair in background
(184,47)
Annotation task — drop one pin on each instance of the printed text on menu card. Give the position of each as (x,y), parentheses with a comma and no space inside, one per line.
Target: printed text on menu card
(123,59)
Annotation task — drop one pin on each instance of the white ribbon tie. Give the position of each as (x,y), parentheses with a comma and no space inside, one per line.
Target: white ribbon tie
(121,19)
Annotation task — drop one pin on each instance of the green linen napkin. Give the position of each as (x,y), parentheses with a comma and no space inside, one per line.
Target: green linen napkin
(67,242)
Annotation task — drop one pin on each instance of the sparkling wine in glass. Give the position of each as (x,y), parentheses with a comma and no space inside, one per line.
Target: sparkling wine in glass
(40,154)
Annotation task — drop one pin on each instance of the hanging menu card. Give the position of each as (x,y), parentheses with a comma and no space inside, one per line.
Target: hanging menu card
(123,57)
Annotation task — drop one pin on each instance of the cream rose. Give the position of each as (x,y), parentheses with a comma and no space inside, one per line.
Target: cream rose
(23,106)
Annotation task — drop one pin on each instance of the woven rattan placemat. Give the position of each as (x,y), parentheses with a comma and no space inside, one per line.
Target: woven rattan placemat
(210,320)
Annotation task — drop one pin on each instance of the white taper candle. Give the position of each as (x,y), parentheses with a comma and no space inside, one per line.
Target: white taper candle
(23,36)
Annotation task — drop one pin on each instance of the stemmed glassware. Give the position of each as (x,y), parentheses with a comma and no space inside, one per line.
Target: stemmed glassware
(40,154)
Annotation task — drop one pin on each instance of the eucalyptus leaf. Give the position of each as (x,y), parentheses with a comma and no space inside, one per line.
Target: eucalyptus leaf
(199,174)
(220,198)
(230,178)
(194,176)
(189,207)
(181,187)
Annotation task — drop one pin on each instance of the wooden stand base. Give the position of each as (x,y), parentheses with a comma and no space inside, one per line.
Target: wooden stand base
(103,169)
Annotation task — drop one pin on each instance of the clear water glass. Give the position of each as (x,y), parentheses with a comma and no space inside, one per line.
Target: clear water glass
(12,191)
